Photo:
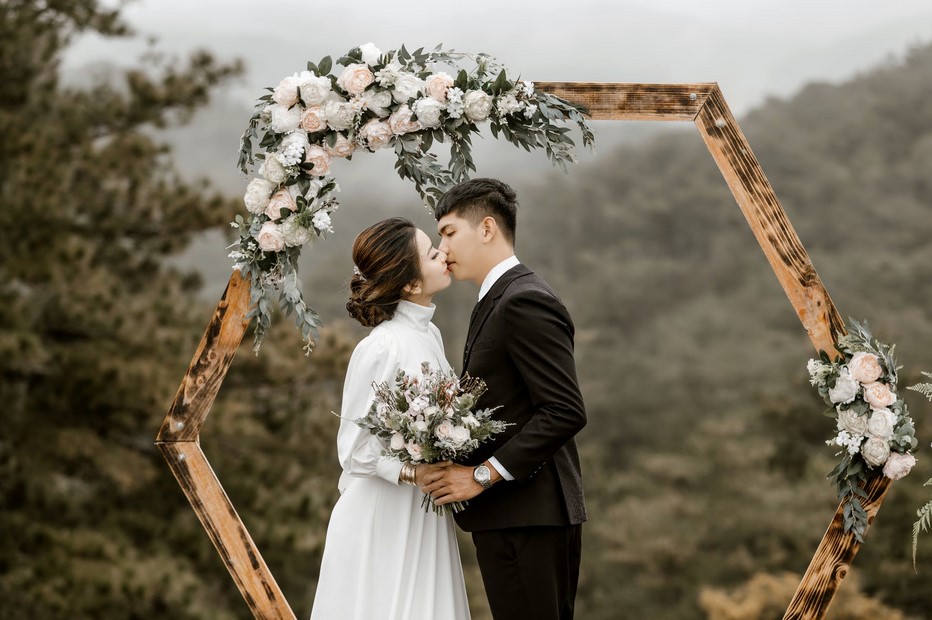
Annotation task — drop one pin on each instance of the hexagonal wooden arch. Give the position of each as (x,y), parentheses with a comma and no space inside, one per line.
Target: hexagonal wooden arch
(702,103)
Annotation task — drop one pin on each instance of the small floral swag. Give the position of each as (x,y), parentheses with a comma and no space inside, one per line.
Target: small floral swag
(873,425)
(394,99)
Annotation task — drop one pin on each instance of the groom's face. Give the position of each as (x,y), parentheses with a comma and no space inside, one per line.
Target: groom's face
(462,243)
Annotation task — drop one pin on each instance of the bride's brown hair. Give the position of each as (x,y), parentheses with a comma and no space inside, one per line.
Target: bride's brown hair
(386,257)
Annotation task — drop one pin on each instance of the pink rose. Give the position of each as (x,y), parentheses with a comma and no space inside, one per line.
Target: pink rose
(414,450)
(898,465)
(342,147)
(444,430)
(313,120)
(270,238)
(317,156)
(375,134)
(282,199)
(437,86)
(355,78)
(286,93)
(878,395)
(865,367)
(400,121)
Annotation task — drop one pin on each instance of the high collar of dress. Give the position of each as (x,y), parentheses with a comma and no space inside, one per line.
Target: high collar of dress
(414,315)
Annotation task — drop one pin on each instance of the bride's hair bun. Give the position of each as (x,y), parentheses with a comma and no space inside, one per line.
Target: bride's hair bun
(386,258)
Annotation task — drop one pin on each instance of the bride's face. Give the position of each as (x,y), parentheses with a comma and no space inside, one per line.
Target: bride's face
(434,273)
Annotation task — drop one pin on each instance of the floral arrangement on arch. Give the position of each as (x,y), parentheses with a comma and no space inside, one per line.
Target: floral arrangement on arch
(396,99)
(873,426)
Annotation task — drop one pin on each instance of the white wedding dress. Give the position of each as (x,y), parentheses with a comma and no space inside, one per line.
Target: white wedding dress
(385,557)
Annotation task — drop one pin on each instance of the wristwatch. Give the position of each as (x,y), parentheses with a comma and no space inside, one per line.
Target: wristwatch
(483,476)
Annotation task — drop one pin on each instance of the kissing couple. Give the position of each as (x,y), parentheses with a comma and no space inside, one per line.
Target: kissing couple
(385,557)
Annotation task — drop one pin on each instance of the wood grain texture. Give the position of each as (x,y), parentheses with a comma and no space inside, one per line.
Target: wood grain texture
(769,223)
(634,102)
(829,565)
(209,366)
(226,530)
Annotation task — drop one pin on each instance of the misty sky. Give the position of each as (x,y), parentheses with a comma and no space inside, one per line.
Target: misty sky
(752,48)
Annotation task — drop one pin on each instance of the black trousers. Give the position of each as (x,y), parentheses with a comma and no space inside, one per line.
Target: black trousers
(530,572)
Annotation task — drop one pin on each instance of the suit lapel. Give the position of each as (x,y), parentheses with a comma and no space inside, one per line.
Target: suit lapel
(487,304)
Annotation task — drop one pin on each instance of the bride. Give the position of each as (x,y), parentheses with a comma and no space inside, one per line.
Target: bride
(385,557)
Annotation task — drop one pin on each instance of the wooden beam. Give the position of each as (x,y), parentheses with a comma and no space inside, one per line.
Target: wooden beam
(634,102)
(226,530)
(829,565)
(769,223)
(209,366)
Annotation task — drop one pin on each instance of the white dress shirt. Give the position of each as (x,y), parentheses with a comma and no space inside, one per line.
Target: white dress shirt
(491,278)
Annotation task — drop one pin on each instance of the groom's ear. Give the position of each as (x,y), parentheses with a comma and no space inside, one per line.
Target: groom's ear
(488,228)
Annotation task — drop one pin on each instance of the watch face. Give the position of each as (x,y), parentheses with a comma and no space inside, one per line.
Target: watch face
(481,474)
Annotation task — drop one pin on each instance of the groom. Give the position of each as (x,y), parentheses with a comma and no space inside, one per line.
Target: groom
(524,487)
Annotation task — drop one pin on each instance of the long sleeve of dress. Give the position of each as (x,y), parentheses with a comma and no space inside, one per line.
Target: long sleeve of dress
(375,359)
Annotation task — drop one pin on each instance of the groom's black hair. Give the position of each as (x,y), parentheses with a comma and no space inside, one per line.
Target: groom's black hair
(477,199)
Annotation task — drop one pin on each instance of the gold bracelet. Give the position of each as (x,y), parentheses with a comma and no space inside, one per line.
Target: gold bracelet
(408,474)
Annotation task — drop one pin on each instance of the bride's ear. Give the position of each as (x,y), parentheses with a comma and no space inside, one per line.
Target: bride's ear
(414,288)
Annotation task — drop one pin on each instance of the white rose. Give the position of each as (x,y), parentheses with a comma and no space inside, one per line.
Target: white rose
(314,89)
(477,105)
(419,426)
(898,465)
(845,390)
(875,451)
(437,85)
(273,170)
(444,430)
(257,195)
(270,238)
(322,222)
(881,423)
(375,134)
(414,450)
(283,119)
(878,395)
(313,119)
(397,442)
(370,54)
(407,86)
(401,123)
(340,114)
(294,233)
(431,411)
(849,420)
(459,435)
(428,111)
(282,199)
(376,100)
(355,78)
(865,367)
(316,155)
(342,147)
(286,93)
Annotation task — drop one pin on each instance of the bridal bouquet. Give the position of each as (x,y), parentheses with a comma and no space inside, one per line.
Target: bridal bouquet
(428,418)
(873,425)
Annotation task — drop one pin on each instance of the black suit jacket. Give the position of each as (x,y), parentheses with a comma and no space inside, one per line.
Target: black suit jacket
(520,343)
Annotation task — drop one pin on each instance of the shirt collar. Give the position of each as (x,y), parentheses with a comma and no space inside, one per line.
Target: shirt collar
(497,272)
